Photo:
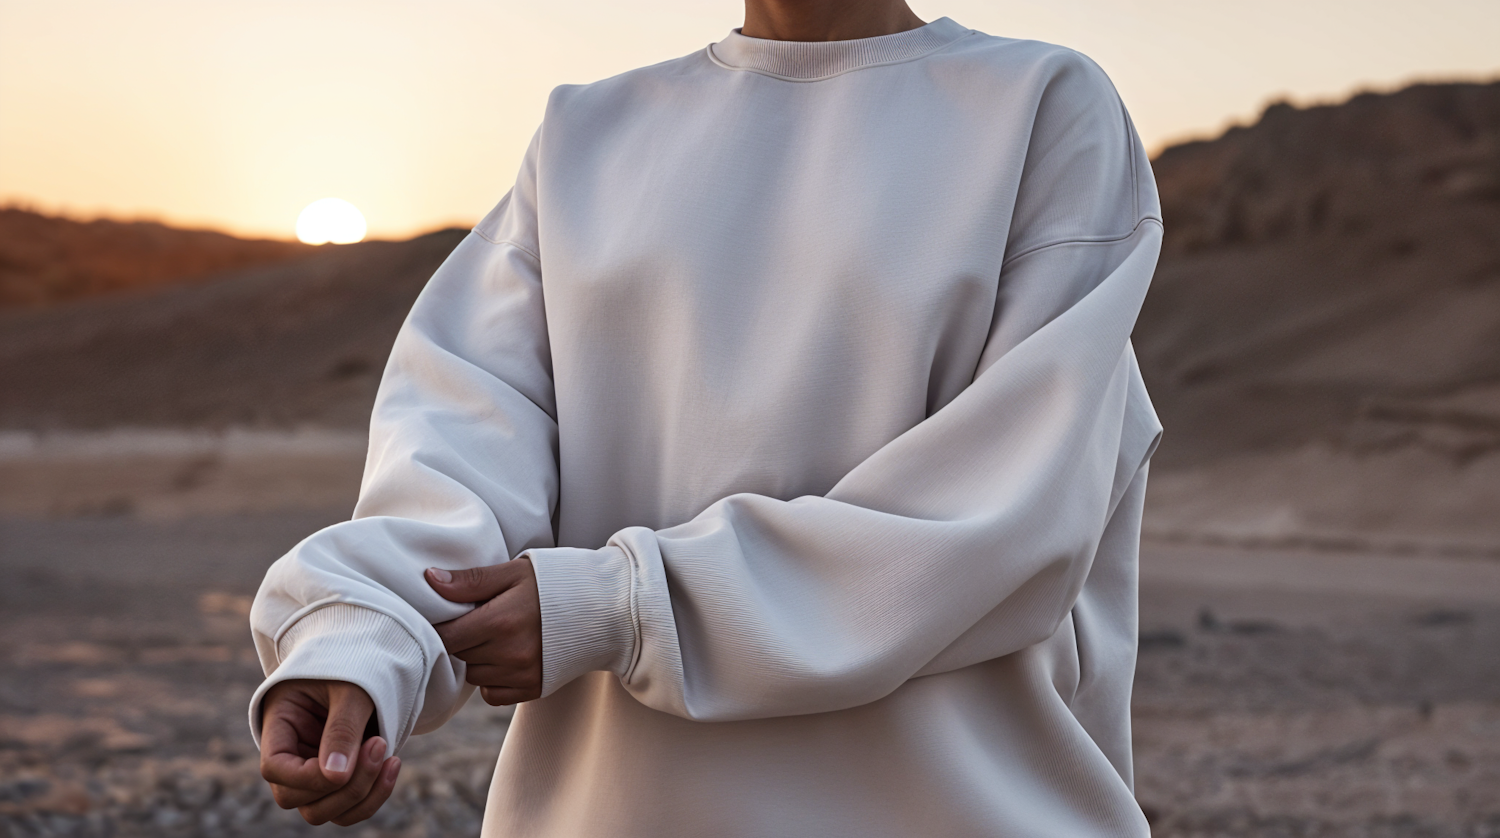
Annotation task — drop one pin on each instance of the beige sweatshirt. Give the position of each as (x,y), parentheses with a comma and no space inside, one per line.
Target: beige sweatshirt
(802,374)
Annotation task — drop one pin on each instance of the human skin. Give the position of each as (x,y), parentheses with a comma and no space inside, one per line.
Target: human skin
(310,727)
(313,752)
(826,20)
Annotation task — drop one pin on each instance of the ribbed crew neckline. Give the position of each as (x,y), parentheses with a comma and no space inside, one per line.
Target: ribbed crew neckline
(813,60)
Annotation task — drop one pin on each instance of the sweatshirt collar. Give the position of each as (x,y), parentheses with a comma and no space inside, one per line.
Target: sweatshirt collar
(813,60)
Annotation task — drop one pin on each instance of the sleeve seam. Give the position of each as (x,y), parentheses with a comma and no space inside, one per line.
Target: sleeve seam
(1135,175)
(635,618)
(501,242)
(1084,240)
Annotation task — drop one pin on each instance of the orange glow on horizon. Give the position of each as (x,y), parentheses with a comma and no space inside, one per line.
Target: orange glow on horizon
(237,115)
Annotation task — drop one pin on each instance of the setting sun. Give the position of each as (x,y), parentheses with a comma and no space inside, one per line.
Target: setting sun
(330,221)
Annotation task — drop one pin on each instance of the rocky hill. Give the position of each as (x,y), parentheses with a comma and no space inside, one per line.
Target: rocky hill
(1329,271)
(1323,335)
(47,260)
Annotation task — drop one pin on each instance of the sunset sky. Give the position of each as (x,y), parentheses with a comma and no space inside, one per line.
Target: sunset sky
(238,114)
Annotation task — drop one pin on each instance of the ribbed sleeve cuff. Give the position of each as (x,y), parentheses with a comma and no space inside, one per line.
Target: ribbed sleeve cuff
(588,623)
(343,642)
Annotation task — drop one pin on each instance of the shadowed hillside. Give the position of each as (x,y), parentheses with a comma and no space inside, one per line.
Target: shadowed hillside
(1323,335)
(1331,274)
(281,345)
(50,260)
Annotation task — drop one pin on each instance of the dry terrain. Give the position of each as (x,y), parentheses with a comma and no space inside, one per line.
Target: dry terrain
(1296,695)
(1320,647)
(46,260)
(1322,338)
(277,346)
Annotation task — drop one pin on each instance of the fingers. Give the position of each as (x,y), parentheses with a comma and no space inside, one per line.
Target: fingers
(312,751)
(476,584)
(362,780)
(379,793)
(493,620)
(349,710)
(514,613)
(295,786)
(501,641)
(291,724)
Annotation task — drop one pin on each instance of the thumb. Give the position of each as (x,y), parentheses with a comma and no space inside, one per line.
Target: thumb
(349,710)
(474,584)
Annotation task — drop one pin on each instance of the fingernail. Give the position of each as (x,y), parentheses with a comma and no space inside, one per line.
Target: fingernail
(336,763)
(440,575)
(377,749)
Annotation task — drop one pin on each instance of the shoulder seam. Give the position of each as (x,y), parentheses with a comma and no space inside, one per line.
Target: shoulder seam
(1083,240)
(501,242)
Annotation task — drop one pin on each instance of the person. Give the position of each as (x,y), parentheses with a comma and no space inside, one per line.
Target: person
(776,445)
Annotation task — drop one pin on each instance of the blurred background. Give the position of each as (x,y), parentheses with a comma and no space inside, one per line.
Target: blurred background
(214,216)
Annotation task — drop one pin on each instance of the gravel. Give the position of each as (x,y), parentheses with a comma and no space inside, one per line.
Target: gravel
(127,667)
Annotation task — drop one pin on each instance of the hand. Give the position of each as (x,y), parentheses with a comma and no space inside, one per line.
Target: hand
(312,755)
(501,640)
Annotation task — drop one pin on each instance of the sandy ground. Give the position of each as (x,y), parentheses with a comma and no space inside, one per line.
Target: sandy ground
(1279,694)
(165,475)
(1407,501)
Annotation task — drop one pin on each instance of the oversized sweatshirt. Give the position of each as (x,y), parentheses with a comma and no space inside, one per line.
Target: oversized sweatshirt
(801,373)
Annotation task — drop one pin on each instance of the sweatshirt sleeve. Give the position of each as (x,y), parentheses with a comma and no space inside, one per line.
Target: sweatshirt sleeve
(461,472)
(964,539)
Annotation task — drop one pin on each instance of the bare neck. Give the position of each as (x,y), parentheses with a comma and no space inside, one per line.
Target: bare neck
(826,20)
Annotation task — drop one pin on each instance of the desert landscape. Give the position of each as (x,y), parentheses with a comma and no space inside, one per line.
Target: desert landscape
(1320,630)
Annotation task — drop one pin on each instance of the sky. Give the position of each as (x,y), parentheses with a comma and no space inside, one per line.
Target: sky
(236,114)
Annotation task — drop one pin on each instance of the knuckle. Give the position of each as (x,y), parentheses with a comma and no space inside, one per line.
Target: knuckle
(469,576)
(312,816)
(341,731)
(470,656)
